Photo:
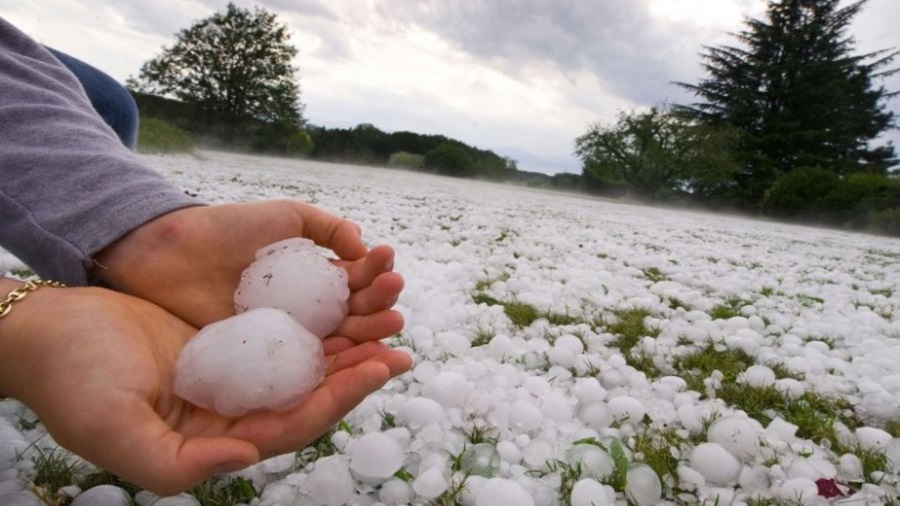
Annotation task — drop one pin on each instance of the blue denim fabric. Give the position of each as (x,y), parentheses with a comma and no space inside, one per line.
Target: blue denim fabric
(110,99)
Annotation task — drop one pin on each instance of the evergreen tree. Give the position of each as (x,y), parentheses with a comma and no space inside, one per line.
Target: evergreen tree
(797,95)
(232,66)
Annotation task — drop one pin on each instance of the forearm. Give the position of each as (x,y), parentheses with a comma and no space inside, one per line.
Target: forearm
(68,187)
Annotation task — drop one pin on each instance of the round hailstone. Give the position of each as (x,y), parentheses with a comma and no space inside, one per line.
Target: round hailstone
(102,494)
(735,434)
(799,490)
(873,439)
(330,482)
(589,492)
(502,492)
(430,484)
(594,462)
(395,492)
(758,376)
(376,455)
(448,388)
(293,276)
(261,359)
(642,485)
(716,464)
(627,409)
(525,416)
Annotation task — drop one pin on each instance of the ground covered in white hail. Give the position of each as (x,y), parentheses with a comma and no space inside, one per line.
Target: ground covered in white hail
(574,351)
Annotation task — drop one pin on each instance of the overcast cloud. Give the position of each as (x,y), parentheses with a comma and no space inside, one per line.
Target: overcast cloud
(520,77)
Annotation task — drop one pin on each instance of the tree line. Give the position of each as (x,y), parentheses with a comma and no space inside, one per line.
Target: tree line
(785,123)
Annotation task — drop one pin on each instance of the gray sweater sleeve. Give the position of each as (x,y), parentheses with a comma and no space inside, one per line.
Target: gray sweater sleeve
(68,187)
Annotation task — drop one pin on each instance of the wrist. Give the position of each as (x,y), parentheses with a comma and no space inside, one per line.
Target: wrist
(21,316)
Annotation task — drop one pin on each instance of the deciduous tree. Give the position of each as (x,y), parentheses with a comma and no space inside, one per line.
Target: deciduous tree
(233,66)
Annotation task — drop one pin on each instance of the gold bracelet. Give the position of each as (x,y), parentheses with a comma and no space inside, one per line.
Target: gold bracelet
(20,293)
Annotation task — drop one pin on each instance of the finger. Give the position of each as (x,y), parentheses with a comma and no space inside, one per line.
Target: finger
(275,434)
(363,271)
(333,345)
(337,234)
(354,355)
(370,327)
(380,295)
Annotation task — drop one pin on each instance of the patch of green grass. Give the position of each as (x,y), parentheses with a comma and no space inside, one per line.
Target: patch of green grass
(695,367)
(521,314)
(323,446)
(482,337)
(483,298)
(388,420)
(629,328)
(106,478)
(224,491)
(729,309)
(887,292)
(55,468)
(675,303)
(654,275)
(569,474)
(768,291)
(813,414)
(159,136)
(655,450)
(872,461)
(809,300)
(453,495)
(562,319)
(893,428)
(619,477)
(482,434)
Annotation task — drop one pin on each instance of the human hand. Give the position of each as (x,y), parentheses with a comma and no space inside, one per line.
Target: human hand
(97,367)
(189,261)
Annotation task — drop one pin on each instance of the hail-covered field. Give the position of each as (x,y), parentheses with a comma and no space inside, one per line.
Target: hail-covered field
(570,350)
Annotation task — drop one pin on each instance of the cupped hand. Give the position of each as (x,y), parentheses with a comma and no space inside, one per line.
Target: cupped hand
(97,367)
(189,261)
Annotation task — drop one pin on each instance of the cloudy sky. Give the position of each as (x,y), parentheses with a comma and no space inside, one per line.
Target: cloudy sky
(523,78)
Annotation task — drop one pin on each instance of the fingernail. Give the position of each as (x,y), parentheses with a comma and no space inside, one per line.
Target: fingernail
(389,265)
(230,467)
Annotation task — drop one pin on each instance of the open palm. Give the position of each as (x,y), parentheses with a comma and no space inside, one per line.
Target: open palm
(99,374)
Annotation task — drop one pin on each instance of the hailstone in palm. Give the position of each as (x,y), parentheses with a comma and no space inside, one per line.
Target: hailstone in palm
(255,361)
(293,276)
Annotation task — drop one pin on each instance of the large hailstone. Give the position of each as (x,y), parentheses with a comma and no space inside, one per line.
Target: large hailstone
(258,360)
(292,275)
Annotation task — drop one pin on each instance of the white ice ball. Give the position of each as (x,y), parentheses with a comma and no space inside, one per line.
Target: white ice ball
(376,455)
(502,492)
(737,435)
(292,275)
(261,359)
(716,464)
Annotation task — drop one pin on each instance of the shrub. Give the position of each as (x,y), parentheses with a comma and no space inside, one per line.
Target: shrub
(799,192)
(859,194)
(450,159)
(159,136)
(404,160)
(885,221)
